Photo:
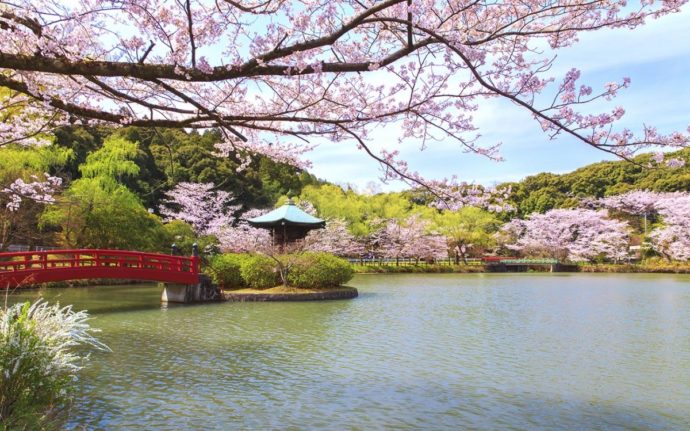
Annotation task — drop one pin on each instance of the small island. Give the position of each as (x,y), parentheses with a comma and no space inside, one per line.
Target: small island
(302,276)
(282,271)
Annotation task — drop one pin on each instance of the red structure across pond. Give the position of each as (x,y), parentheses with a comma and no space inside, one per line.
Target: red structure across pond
(33,267)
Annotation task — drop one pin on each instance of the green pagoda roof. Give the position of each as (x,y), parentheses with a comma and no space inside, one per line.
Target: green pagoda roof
(287,215)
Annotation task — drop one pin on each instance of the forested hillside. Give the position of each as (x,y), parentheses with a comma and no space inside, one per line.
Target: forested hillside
(545,191)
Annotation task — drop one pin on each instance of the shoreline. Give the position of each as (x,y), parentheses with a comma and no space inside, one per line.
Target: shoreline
(404,269)
(481,269)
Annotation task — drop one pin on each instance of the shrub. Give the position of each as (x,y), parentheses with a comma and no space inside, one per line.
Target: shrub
(226,270)
(259,272)
(314,270)
(38,364)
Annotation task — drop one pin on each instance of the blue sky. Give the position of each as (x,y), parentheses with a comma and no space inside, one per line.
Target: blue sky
(657,59)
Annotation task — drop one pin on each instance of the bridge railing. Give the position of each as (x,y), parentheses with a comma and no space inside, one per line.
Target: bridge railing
(96,263)
(96,258)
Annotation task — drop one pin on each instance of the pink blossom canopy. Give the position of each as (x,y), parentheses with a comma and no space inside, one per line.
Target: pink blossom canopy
(273,74)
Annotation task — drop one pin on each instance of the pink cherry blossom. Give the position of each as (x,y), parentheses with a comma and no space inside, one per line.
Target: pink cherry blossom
(410,238)
(572,234)
(278,77)
(37,191)
(200,205)
(335,238)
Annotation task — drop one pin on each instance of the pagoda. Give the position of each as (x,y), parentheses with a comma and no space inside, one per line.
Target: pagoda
(287,223)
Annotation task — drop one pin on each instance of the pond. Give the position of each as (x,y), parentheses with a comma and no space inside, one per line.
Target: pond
(465,351)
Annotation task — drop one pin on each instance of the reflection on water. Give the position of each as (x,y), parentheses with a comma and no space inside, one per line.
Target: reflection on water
(474,351)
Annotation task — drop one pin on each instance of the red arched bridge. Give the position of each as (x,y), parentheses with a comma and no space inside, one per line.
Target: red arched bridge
(33,267)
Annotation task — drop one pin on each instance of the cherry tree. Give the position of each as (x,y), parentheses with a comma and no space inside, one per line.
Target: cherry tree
(574,234)
(200,205)
(409,239)
(635,202)
(335,238)
(36,191)
(640,203)
(14,199)
(275,76)
(673,239)
(240,237)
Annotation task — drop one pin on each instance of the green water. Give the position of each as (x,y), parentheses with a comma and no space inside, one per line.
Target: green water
(475,351)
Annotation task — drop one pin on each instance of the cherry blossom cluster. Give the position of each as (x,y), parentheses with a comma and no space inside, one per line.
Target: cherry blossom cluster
(240,237)
(573,234)
(335,238)
(410,238)
(36,191)
(672,239)
(636,202)
(453,195)
(201,205)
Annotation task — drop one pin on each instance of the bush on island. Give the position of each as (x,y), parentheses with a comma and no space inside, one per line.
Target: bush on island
(315,270)
(226,270)
(259,272)
(304,270)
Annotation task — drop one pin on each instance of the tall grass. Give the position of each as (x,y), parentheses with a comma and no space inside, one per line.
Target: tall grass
(39,361)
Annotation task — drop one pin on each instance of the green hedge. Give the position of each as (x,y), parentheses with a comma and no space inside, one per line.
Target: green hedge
(259,272)
(306,270)
(226,271)
(314,270)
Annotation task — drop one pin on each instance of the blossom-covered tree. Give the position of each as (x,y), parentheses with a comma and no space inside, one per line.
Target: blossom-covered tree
(410,238)
(241,237)
(635,202)
(573,234)
(200,205)
(22,195)
(273,74)
(673,239)
(335,238)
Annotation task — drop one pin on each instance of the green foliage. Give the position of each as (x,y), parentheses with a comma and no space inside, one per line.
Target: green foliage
(362,213)
(316,270)
(166,157)
(175,156)
(226,270)
(98,211)
(97,214)
(303,270)
(21,162)
(114,160)
(259,272)
(39,363)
